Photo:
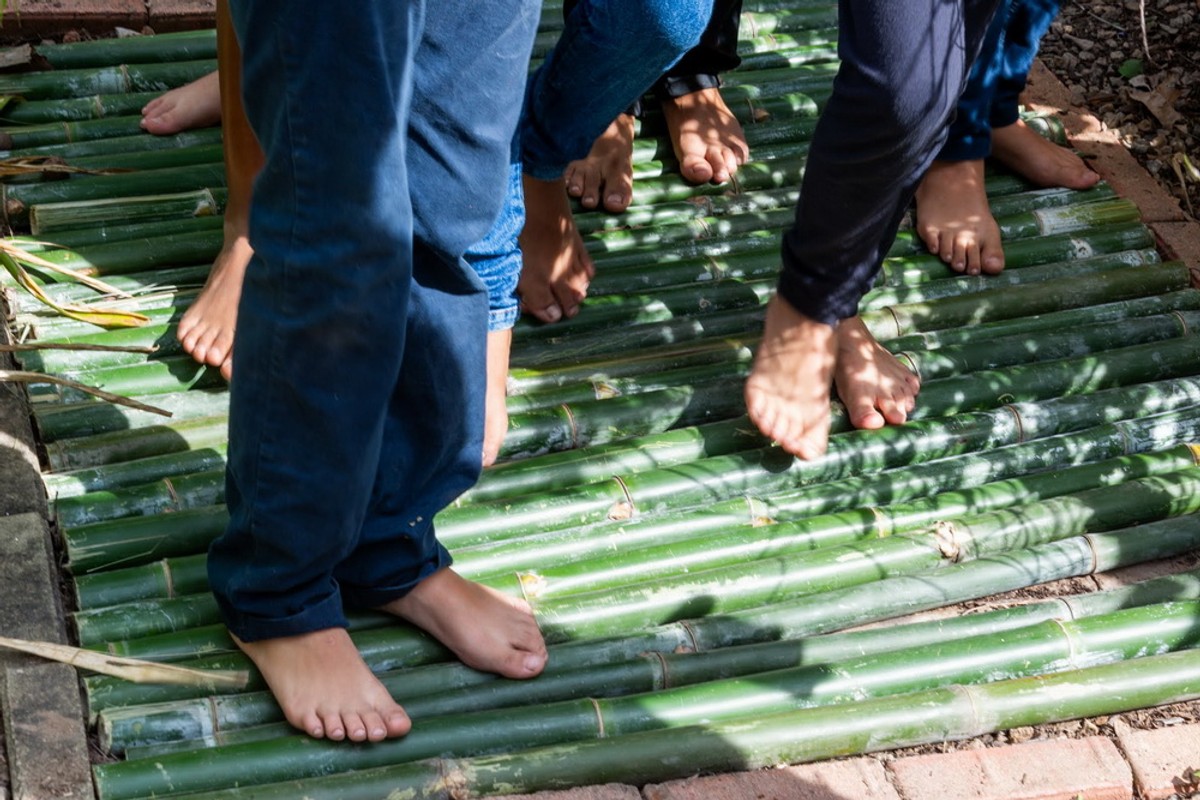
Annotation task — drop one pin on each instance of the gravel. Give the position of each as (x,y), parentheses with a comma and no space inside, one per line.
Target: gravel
(1143,81)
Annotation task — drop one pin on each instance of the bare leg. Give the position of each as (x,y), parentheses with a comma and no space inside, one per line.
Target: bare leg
(489,631)
(207,328)
(787,393)
(325,688)
(954,219)
(495,425)
(607,170)
(1039,160)
(557,268)
(193,105)
(873,385)
(709,141)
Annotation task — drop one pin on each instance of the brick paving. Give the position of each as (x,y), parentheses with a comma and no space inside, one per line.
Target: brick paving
(1148,765)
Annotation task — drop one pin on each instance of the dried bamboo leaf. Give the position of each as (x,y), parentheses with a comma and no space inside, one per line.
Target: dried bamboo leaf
(103,317)
(41,165)
(22,256)
(129,669)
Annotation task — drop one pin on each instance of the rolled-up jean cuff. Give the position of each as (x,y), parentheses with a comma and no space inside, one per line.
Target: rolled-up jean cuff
(379,596)
(326,613)
(679,85)
(1003,117)
(970,148)
(546,172)
(501,319)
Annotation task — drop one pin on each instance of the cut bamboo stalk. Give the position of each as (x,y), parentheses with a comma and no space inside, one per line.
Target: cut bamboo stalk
(948,713)
(74,83)
(1042,649)
(394,647)
(125,107)
(162,47)
(150,730)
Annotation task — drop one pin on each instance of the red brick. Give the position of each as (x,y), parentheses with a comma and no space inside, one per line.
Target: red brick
(1091,768)
(53,17)
(608,791)
(829,780)
(1179,240)
(1162,759)
(181,15)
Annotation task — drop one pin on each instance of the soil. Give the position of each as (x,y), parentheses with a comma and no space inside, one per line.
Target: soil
(1141,79)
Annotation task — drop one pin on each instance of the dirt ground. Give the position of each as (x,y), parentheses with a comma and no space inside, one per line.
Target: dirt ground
(1141,79)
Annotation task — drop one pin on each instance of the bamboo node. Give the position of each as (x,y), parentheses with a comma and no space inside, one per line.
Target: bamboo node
(532,584)
(622,509)
(947,537)
(1194,449)
(600,733)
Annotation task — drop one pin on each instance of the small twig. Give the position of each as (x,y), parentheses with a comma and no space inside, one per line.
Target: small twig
(1099,18)
(22,376)
(1145,37)
(102,348)
(130,669)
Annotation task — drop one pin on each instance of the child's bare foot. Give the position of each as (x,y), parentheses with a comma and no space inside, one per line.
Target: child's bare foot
(954,219)
(873,385)
(495,424)
(193,105)
(487,630)
(325,688)
(207,328)
(556,268)
(607,170)
(787,393)
(1039,160)
(709,141)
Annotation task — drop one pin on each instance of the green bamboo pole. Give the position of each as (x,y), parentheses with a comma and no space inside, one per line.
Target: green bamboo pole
(194,434)
(119,144)
(162,47)
(65,246)
(1023,301)
(947,713)
(1041,649)
(64,84)
(51,218)
(574,563)
(706,481)
(133,255)
(169,495)
(597,610)
(78,110)
(132,473)
(75,420)
(126,163)
(171,577)
(147,731)
(143,285)
(393,647)
(18,199)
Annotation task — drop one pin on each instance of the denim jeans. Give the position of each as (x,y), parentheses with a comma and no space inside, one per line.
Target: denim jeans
(357,410)
(609,54)
(903,67)
(992,97)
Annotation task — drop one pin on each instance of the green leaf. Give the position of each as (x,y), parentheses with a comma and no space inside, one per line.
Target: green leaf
(1131,68)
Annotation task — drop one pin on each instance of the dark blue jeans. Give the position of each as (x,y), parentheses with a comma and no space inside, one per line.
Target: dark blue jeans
(903,67)
(357,410)
(992,97)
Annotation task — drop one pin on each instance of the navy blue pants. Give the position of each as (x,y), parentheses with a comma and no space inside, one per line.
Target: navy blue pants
(992,97)
(903,67)
(357,410)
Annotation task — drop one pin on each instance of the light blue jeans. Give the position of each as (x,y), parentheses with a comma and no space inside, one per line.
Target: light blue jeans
(609,54)
(357,412)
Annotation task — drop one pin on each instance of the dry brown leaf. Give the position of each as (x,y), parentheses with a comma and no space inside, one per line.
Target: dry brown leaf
(1160,101)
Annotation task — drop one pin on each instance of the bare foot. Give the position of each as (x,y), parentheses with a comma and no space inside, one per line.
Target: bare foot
(556,267)
(954,219)
(495,424)
(487,630)
(787,393)
(873,385)
(607,170)
(325,688)
(207,328)
(709,141)
(193,105)
(1039,160)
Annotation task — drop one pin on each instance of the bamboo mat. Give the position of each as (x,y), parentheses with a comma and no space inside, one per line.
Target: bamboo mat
(695,583)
